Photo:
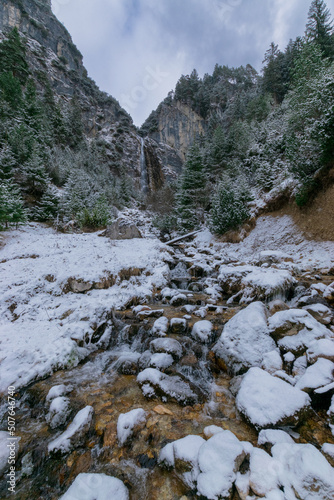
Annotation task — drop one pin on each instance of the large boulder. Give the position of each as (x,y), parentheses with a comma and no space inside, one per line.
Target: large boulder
(245,340)
(267,401)
(75,433)
(122,230)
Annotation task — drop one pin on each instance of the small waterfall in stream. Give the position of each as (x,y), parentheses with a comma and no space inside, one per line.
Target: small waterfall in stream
(143,168)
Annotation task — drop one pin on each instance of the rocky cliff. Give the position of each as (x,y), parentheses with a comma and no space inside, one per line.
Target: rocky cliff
(54,59)
(177,126)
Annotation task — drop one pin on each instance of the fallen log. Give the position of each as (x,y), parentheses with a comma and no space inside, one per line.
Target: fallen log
(180,238)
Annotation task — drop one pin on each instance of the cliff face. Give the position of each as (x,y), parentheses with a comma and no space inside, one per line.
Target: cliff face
(178,126)
(55,60)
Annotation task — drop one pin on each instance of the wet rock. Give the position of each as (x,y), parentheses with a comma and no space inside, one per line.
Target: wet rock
(169,388)
(178,326)
(162,410)
(266,401)
(75,433)
(169,346)
(153,313)
(59,412)
(96,487)
(129,424)
(122,230)
(128,367)
(189,360)
(245,340)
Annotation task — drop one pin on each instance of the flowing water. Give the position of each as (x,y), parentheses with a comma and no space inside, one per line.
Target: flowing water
(143,168)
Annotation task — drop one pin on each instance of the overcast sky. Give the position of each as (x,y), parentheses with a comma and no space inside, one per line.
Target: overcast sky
(136,50)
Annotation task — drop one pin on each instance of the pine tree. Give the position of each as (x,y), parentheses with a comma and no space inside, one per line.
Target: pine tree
(13,57)
(273,73)
(192,196)
(12,210)
(47,208)
(319,27)
(7,162)
(35,177)
(229,207)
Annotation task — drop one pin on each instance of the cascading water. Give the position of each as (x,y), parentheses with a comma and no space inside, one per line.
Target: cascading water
(143,168)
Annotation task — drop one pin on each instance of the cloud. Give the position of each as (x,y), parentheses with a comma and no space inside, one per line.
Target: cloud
(136,50)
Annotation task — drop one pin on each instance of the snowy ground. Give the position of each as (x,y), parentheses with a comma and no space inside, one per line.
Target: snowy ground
(38,320)
(278,236)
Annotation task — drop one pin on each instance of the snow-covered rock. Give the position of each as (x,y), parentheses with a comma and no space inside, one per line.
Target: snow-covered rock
(211,430)
(296,329)
(219,459)
(168,387)
(317,375)
(255,283)
(130,423)
(160,360)
(96,487)
(160,327)
(245,339)
(263,476)
(267,401)
(272,361)
(202,331)
(74,434)
(183,456)
(168,346)
(58,390)
(178,300)
(273,436)
(178,326)
(321,313)
(328,449)
(329,293)
(323,348)
(304,472)
(59,412)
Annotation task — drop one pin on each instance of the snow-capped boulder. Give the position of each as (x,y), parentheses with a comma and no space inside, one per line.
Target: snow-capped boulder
(75,432)
(59,411)
(317,375)
(304,472)
(178,326)
(267,401)
(263,477)
(296,329)
(218,461)
(168,346)
(160,327)
(96,487)
(129,424)
(168,387)
(202,331)
(323,348)
(321,313)
(244,340)
(255,283)
(161,361)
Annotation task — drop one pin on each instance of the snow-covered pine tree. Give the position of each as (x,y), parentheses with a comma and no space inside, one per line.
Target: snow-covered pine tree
(191,197)
(229,207)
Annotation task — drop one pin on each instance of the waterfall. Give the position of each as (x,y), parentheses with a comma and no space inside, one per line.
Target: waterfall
(143,168)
